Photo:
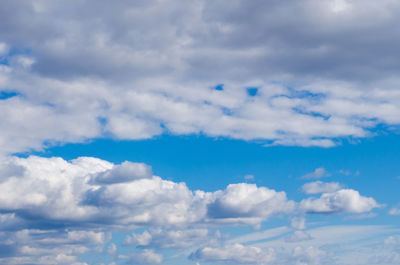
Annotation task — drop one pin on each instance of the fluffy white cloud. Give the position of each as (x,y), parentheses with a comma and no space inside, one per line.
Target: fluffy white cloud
(341,201)
(247,201)
(89,196)
(236,253)
(320,187)
(92,191)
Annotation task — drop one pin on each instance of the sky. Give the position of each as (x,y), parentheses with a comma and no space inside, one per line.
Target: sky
(199,132)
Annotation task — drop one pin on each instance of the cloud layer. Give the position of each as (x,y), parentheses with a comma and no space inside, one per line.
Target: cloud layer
(80,70)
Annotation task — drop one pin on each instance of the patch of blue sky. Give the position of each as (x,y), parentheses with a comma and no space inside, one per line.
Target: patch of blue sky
(8,94)
(5,59)
(252,91)
(311,113)
(219,87)
(215,163)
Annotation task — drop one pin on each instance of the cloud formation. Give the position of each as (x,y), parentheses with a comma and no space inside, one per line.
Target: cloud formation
(236,253)
(88,190)
(341,201)
(83,70)
(72,204)
(320,187)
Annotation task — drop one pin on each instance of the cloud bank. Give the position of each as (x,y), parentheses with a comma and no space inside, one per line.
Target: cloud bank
(81,70)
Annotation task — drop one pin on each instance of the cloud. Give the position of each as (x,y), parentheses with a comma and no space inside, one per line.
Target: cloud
(320,187)
(72,205)
(125,172)
(249,177)
(311,90)
(160,238)
(236,253)
(316,174)
(394,211)
(91,191)
(49,246)
(341,201)
(247,201)
(298,236)
(309,255)
(146,256)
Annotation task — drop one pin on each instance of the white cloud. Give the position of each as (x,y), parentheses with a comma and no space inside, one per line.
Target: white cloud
(146,256)
(394,211)
(309,255)
(298,236)
(247,201)
(93,191)
(161,238)
(316,174)
(341,201)
(320,187)
(112,249)
(53,191)
(249,177)
(236,253)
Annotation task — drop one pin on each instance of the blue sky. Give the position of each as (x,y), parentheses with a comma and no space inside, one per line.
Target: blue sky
(171,132)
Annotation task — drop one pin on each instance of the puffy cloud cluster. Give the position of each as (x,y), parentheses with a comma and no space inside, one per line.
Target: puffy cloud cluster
(71,204)
(49,246)
(341,201)
(236,253)
(93,191)
(79,70)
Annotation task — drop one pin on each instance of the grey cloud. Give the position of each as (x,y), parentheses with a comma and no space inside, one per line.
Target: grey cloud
(125,172)
(90,69)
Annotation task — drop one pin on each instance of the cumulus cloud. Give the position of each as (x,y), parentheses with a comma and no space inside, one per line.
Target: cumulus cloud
(236,253)
(88,190)
(89,196)
(247,201)
(341,201)
(320,187)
